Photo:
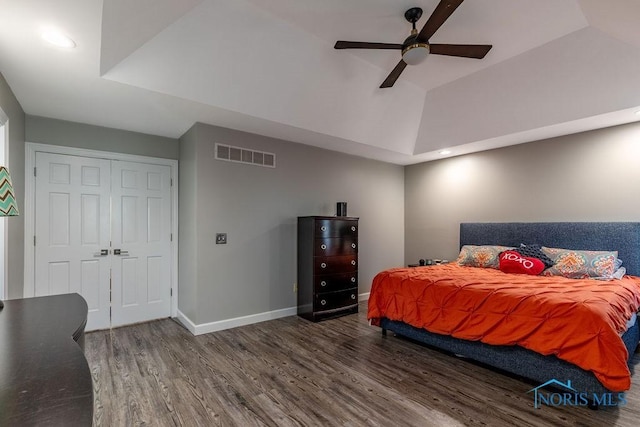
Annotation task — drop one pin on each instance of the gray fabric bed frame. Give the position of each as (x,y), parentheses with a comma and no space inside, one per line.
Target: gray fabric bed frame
(621,236)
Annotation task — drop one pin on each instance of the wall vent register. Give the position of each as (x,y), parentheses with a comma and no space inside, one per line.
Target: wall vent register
(230,153)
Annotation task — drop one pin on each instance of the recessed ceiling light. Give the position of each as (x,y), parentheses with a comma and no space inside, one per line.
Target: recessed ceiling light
(445,152)
(58,39)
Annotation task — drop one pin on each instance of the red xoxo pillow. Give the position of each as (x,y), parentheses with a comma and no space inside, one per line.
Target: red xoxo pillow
(513,262)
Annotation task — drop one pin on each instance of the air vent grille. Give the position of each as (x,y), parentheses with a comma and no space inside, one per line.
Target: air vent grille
(230,153)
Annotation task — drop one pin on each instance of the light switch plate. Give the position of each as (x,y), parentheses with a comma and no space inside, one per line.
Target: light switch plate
(221,238)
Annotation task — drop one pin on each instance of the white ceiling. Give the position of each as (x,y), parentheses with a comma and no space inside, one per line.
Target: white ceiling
(269,67)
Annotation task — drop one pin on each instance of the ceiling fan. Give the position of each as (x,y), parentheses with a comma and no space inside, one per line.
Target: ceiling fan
(416,47)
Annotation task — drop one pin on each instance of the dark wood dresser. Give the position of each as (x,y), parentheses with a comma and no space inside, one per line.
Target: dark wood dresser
(327,266)
(44,376)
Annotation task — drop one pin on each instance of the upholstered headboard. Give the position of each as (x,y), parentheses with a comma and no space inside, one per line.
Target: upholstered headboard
(623,237)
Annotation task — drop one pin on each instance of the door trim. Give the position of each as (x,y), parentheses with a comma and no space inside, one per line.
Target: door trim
(4,230)
(29,206)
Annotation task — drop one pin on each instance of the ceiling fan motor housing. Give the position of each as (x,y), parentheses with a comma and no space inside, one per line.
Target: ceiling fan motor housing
(414,51)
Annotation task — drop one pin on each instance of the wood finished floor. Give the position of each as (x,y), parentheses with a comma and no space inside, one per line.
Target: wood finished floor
(291,372)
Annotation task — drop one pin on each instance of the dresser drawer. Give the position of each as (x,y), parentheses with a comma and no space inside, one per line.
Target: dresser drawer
(331,246)
(335,282)
(335,264)
(336,228)
(336,300)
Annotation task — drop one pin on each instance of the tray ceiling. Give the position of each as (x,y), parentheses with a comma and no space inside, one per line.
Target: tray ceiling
(159,66)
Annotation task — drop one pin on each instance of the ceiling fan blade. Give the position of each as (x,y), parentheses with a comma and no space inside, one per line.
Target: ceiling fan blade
(341,44)
(465,50)
(393,76)
(443,11)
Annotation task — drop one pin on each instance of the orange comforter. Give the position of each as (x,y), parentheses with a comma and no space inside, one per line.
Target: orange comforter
(579,321)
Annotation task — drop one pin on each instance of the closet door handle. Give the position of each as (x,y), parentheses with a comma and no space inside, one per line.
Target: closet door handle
(103,252)
(120,252)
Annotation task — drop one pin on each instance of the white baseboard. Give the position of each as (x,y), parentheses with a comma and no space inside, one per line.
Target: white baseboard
(221,325)
(186,322)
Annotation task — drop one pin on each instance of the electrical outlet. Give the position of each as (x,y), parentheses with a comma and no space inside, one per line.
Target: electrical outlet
(221,238)
(295,288)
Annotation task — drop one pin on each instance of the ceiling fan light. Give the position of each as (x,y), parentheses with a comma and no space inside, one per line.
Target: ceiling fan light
(415,53)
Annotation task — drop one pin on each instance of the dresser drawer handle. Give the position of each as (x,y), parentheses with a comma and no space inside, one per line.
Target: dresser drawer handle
(323,302)
(353,262)
(353,245)
(323,228)
(353,228)
(353,296)
(323,283)
(353,280)
(323,265)
(323,246)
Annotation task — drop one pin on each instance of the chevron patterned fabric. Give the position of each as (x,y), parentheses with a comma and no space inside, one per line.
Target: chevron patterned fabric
(8,205)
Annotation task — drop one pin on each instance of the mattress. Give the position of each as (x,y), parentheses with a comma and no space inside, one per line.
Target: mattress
(579,321)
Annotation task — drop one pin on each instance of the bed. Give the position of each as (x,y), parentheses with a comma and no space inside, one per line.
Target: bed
(623,237)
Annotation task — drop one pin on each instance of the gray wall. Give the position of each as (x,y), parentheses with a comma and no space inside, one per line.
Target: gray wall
(590,176)
(79,135)
(255,272)
(188,225)
(15,225)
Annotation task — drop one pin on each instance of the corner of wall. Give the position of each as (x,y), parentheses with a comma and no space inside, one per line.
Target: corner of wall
(15,156)
(187,218)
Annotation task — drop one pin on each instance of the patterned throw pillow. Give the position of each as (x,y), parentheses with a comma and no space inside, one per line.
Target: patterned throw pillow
(481,256)
(576,264)
(534,251)
(617,275)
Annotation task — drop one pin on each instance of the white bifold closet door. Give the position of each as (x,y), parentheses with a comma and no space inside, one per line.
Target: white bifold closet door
(141,230)
(103,229)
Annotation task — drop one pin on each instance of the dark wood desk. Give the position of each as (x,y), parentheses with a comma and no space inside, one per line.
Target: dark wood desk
(44,376)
